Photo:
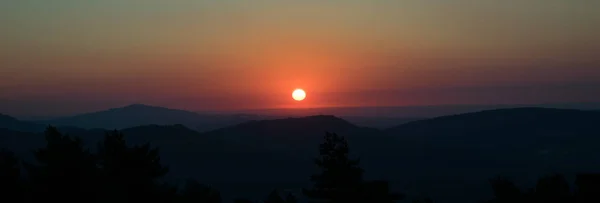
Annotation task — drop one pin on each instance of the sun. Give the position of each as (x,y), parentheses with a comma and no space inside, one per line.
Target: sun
(299,94)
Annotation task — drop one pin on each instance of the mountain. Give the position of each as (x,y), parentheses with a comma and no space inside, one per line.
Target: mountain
(526,130)
(433,155)
(11,123)
(139,115)
(379,122)
(520,143)
(504,119)
(429,111)
(302,133)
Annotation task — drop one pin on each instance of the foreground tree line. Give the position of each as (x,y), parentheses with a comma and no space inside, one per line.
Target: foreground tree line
(66,171)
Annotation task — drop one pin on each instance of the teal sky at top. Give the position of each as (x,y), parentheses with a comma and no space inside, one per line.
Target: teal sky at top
(127,24)
(214,51)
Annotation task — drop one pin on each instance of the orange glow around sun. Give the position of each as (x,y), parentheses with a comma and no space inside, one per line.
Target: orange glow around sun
(299,94)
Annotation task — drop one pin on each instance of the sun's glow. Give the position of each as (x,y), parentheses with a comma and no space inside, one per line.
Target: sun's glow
(299,94)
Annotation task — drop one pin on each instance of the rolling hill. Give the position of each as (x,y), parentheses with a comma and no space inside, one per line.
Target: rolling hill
(139,114)
(11,123)
(517,119)
(458,151)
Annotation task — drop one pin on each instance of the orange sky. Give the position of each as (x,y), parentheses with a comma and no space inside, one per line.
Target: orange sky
(234,54)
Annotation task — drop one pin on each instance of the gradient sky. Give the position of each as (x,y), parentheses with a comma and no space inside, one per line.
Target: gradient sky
(66,56)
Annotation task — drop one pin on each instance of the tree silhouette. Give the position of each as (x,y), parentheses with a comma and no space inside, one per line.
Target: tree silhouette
(379,191)
(505,191)
(290,198)
(553,188)
(11,187)
(588,188)
(549,189)
(424,200)
(66,171)
(340,180)
(131,174)
(194,192)
(242,201)
(340,177)
(274,197)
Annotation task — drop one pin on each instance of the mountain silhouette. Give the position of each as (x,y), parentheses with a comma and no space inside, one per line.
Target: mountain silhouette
(140,114)
(457,151)
(290,133)
(518,129)
(18,125)
(521,143)
(503,119)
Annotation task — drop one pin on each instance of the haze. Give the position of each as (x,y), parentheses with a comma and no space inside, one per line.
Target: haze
(65,56)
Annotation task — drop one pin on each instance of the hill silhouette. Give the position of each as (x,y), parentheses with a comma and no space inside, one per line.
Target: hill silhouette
(522,143)
(503,119)
(295,134)
(140,114)
(526,128)
(11,123)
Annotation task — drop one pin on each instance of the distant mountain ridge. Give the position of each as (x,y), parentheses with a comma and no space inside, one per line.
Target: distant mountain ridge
(504,119)
(460,150)
(140,114)
(288,132)
(9,122)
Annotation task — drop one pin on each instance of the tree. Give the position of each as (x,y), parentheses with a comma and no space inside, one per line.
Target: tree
(340,180)
(553,188)
(131,174)
(242,201)
(290,198)
(379,191)
(194,192)
(506,191)
(66,171)
(274,197)
(11,188)
(549,189)
(588,187)
(425,200)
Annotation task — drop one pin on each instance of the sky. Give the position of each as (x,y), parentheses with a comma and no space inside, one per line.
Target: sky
(67,56)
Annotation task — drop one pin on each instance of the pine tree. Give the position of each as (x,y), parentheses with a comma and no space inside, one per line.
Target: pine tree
(588,187)
(132,174)
(274,197)
(340,178)
(66,171)
(242,201)
(506,191)
(291,198)
(11,187)
(194,192)
(341,181)
(553,188)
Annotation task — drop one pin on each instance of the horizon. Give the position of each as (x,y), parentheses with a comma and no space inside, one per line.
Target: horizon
(66,57)
(413,112)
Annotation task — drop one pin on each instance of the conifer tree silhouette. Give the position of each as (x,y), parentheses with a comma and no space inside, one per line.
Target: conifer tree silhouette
(588,188)
(131,174)
(242,201)
(194,192)
(11,185)
(549,189)
(66,171)
(506,191)
(290,198)
(424,200)
(341,178)
(553,188)
(274,197)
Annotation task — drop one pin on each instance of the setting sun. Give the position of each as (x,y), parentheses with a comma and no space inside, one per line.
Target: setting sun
(299,94)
